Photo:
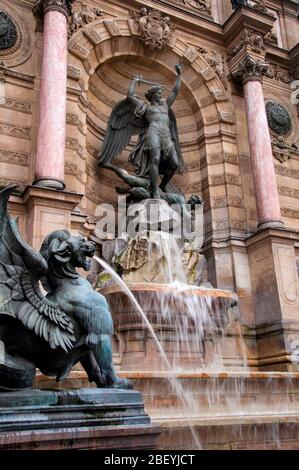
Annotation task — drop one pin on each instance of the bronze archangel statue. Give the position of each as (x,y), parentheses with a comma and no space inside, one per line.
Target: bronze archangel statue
(157,151)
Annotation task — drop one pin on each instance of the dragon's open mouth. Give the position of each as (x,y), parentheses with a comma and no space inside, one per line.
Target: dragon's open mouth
(89,252)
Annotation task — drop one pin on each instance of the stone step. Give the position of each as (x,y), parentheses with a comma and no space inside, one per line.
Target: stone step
(85,418)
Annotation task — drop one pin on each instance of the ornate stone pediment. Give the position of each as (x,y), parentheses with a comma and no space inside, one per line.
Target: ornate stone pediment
(154,29)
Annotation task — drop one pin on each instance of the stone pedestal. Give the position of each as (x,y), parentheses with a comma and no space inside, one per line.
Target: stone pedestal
(90,419)
(47,210)
(275,286)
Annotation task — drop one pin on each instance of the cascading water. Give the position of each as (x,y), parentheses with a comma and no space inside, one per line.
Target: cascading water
(190,321)
(174,382)
(186,319)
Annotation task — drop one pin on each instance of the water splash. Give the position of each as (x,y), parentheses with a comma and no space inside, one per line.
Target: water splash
(174,382)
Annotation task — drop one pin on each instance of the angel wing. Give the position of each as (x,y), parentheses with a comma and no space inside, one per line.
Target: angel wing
(21,268)
(124,122)
(175,135)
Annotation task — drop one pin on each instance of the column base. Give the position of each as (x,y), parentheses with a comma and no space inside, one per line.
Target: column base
(270,224)
(47,210)
(51,183)
(275,289)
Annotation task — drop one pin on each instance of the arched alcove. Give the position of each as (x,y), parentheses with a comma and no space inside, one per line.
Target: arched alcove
(104,55)
(107,86)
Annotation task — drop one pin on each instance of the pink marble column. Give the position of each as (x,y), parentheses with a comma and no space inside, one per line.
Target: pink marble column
(52,107)
(267,199)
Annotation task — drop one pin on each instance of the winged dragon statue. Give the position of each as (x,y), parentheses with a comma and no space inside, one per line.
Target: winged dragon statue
(70,323)
(157,151)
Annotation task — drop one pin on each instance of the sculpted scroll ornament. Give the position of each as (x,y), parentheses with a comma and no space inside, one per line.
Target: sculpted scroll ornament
(279,119)
(154,29)
(275,72)
(249,38)
(260,5)
(271,38)
(81,16)
(199,5)
(282,151)
(217,62)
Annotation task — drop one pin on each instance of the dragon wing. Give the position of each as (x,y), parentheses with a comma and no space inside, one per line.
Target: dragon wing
(21,268)
(175,135)
(124,122)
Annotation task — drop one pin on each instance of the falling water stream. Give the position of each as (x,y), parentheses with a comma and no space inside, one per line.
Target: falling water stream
(174,382)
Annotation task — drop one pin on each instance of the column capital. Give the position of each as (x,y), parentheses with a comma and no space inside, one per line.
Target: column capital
(250,69)
(41,7)
(244,33)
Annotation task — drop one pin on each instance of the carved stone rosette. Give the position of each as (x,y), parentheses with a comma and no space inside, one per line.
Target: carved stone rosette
(251,69)
(41,7)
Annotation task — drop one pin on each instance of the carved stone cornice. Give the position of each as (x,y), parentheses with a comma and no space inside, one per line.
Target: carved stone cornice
(245,32)
(41,7)
(246,18)
(250,69)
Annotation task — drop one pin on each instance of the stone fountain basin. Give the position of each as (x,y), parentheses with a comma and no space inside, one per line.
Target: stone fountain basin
(165,288)
(185,319)
(150,295)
